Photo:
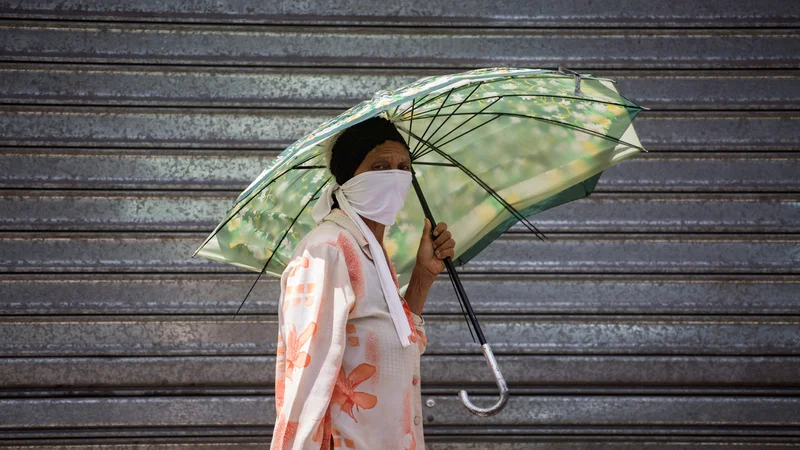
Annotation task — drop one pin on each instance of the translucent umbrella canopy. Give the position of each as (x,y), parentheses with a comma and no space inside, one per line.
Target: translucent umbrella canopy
(490,147)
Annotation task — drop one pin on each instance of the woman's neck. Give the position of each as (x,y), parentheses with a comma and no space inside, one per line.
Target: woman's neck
(377,228)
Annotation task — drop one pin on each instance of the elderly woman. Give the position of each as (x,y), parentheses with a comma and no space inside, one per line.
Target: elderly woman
(347,372)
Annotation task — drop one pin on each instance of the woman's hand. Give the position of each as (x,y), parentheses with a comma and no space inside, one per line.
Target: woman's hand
(430,256)
(433,251)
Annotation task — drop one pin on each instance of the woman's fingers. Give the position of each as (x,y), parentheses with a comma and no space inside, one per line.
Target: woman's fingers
(447,245)
(444,253)
(443,237)
(444,244)
(440,227)
(444,249)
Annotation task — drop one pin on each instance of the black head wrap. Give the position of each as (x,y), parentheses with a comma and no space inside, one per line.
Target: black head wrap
(353,144)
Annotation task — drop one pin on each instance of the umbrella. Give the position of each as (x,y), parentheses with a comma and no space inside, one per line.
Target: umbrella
(507,143)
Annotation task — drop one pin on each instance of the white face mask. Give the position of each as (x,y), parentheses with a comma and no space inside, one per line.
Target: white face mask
(379,194)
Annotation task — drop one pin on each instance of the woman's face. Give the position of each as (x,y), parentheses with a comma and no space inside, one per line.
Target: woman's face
(387,156)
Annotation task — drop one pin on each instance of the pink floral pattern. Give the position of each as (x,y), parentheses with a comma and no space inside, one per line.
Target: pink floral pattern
(341,372)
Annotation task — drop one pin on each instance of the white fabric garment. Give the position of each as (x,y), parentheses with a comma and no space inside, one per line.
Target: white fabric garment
(340,373)
(377,195)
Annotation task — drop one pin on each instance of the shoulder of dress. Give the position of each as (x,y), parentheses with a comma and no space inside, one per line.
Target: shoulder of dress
(327,233)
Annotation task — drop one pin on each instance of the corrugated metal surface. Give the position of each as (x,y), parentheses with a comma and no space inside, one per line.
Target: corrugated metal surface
(509,13)
(664,312)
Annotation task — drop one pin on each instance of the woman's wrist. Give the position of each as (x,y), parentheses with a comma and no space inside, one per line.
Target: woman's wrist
(418,287)
(423,275)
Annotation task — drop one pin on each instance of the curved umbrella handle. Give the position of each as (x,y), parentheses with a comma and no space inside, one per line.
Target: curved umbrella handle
(501,384)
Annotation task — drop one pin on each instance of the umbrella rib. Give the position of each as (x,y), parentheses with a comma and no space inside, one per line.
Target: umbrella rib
(424,163)
(244,203)
(567,97)
(555,122)
(297,165)
(463,123)
(411,122)
(426,101)
(431,122)
(422,99)
(462,134)
(488,189)
(285,233)
(507,77)
(449,115)
(513,77)
(495,80)
(394,113)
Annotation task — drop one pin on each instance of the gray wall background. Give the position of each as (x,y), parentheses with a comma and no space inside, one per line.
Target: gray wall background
(663,313)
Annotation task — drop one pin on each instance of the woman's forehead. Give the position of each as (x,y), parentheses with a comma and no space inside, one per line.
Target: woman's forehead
(390,149)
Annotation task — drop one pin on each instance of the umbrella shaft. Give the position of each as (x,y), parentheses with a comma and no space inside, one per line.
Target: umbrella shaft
(451,270)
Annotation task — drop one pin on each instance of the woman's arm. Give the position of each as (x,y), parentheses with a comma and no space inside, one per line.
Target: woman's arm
(417,290)
(430,262)
(316,297)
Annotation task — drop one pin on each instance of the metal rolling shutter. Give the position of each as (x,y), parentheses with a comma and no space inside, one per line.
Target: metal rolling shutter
(663,313)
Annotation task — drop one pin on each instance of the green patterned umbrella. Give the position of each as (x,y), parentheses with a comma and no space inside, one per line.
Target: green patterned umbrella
(490,147)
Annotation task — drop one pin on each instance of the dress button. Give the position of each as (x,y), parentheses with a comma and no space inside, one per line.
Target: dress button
(415,380)
(417,420)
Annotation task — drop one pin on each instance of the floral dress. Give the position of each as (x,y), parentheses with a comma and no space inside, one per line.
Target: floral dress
(342,377)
